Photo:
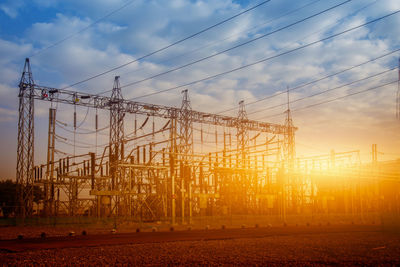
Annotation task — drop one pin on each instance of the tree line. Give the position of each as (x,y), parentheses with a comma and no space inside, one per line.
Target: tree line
(8,197)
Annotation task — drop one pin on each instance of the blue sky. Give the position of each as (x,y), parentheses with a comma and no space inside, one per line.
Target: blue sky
(26,27)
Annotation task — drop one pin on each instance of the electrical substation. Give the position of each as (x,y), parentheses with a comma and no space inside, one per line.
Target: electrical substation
(188,164)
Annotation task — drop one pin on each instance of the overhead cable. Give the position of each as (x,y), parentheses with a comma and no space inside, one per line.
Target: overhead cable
(236,46)
(82,30)
(270,57)
(323,92)
(334,99)
(168,46)
(227,38)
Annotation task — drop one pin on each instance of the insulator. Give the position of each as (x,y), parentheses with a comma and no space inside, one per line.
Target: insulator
(44,94)
(135,125)
(144,123)
(97,122)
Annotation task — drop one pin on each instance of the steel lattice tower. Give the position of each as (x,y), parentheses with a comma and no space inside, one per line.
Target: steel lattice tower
(290,154)
(186,151)
(242,132)
(25,150)
(186,127)
(289,141)
(116,132)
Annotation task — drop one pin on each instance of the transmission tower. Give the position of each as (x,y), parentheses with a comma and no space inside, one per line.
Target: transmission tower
(186,151)
(186,127)
(242,132)
(116,132)
(289,150)
(289,136)
(25,150)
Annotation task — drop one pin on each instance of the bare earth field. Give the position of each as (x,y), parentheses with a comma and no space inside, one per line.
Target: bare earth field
(301,245)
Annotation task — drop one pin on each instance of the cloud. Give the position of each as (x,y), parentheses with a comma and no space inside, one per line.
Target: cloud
(46,3)
(12,7)
(107,28)
(11,60)
(62,26)
(7,114)
(10,51)
(145,26)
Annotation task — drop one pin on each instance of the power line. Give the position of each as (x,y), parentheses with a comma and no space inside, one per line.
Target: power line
(325,91)
(168,46)
(334,99)
(305,84)
(65,139)
(317,80)
(227,38)
(236,46)
(59,124)
(84,29)
(270,57)
(263,24)
(81,146)
(84,119)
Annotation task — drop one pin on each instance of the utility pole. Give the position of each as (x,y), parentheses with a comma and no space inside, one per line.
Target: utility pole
(49,186)
(25,150)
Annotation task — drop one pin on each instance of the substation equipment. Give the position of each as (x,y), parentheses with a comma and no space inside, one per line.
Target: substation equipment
(251,170)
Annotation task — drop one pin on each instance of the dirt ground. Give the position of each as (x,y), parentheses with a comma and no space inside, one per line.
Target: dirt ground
(314,245)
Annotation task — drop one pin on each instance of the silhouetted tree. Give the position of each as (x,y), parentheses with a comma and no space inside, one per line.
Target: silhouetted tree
(8,191)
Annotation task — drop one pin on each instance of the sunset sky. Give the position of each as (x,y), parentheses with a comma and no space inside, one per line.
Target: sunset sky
(70,41)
